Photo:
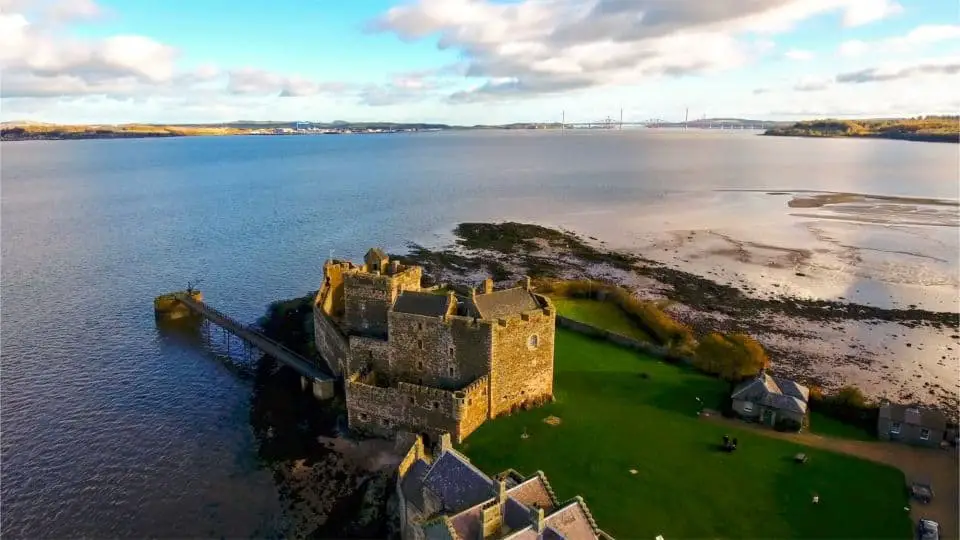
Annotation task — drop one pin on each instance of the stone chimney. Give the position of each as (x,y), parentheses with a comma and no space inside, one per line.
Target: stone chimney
(541,524)
(487,286)
(473,292)
(445,444)
(502,491)
(526,283)
(394,267)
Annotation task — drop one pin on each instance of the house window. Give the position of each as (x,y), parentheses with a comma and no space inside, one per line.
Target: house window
(747,407)
(895,428)
(533,341)
(420,344)
(925,434)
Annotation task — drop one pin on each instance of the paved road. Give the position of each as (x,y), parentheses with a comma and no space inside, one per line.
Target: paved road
(940,467)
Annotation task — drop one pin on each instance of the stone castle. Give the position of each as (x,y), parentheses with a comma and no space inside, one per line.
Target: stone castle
(430,362)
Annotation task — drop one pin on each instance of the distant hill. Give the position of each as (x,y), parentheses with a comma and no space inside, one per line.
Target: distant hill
(925,129)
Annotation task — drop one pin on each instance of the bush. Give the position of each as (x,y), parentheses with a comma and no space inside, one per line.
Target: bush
(787,424)
(848,405)
(732,357)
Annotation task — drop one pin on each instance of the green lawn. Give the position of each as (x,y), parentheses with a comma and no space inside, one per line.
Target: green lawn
(614,420)
(600,314)
(829,427)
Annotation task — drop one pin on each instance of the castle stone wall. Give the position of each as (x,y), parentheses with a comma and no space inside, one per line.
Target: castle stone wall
(522,365)
(367,297)
(330,342)
(383,411)
(423,351)
(472,344)
(369,353)
(474,407)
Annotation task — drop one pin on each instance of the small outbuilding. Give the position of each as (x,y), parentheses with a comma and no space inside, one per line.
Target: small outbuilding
(768,399)
(911,424)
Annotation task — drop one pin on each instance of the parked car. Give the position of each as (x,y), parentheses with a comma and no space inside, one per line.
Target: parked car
(928,529)
(922,492)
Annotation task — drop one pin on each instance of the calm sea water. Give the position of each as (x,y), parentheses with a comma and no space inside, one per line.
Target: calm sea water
(111,427)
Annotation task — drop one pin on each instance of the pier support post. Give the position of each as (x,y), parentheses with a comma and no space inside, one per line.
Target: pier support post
(321,389)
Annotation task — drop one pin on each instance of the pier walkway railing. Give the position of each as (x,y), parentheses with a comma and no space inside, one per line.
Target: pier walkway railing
(322,381)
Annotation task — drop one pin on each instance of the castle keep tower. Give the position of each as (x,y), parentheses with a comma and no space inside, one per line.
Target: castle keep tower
(430,362)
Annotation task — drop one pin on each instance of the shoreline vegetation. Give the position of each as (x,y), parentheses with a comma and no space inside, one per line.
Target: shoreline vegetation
(921,129)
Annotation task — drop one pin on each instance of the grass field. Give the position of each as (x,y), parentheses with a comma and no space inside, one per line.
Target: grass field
(829,427)
(604,315)
(613,420)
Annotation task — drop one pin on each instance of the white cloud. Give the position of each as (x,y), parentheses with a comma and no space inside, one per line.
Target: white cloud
(799,55)
(852,48)
(867,11)
(543,47)
(912,41)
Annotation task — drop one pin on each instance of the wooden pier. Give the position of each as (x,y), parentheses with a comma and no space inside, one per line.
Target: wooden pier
(190,303)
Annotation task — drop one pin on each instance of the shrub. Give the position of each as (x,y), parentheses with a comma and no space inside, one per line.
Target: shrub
(732,357)
(787,424)
(848,405)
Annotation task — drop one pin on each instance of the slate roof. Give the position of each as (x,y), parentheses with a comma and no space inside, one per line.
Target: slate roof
(914,415)
(533,491)
(457,483)
(515,514)
(376,253)
(421,303)
(412,484)
(505,302)
(469,523)
(774,392)
(572,522)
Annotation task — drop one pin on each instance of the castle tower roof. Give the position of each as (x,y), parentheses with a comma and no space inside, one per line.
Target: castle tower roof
(504,302)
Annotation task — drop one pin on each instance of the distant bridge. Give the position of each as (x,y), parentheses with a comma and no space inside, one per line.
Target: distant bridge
(187,303)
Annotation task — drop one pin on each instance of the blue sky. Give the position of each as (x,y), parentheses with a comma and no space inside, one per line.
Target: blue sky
(474,61)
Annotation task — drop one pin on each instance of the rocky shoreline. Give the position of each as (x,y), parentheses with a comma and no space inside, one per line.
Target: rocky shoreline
(792,329)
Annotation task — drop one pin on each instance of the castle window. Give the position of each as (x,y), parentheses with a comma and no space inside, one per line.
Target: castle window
(411,399)
(363,417)
(436,404)
(450,371)
(420,344)
(420,365)
(451,351)
(419,326)
(533,341)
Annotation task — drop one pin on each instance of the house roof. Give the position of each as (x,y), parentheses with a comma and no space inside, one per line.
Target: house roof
(376,254)
(572,521)
(515,514)
(773,392)
(412,483)
(421,303)
(533,492)
(914,415)
(457,483)
(469,523)
(505,302)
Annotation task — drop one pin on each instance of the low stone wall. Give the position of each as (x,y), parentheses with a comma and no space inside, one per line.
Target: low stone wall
(621,340)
